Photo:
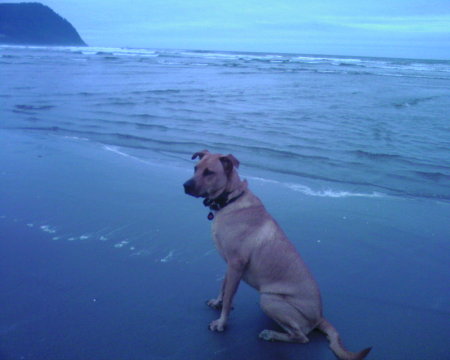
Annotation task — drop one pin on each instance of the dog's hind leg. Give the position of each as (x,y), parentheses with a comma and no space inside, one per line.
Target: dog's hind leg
(285,315)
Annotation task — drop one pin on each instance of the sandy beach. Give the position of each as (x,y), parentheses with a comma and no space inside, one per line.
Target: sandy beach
(104,257)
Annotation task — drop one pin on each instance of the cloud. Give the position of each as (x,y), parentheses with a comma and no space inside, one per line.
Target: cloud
(412,24)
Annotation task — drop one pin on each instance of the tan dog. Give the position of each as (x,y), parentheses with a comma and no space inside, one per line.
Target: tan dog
(257,251)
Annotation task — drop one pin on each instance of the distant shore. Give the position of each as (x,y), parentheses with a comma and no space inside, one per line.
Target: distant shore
(35,24)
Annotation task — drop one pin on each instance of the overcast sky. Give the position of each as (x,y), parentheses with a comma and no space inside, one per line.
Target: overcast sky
(394,28)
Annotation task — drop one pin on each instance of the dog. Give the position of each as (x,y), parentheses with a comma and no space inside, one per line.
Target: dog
(257,251)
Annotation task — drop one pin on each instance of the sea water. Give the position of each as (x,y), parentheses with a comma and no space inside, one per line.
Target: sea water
(323,125)
(103,256)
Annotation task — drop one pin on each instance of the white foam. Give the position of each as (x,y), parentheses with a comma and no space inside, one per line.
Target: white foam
(91,50)
(48,229)
(168,257)
(329,193)
(121,244)
(141,252)
(116,150)
(75,138)
(306,190)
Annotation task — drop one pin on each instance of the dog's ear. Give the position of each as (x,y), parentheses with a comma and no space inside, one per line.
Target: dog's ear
(228,163)
(200,154)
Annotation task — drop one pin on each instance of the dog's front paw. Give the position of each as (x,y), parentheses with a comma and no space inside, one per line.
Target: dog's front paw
(217,325)
(214,304)
(266,335)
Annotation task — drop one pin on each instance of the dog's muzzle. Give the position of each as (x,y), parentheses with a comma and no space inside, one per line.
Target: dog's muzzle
(189,187)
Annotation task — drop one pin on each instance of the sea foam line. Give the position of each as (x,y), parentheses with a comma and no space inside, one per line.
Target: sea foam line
(121,153)
(168,257)
(330,193)
(306,190)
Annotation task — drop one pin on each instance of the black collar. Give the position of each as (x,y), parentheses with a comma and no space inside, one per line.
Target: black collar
(220,202)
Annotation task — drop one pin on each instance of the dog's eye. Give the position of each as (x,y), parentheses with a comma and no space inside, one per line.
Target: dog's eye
(207,172)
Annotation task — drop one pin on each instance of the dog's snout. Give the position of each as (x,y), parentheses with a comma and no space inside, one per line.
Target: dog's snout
(189,187)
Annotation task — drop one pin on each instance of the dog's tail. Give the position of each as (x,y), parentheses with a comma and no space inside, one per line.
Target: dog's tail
(336,344)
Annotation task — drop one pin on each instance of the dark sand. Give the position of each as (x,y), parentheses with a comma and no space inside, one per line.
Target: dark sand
(104,257)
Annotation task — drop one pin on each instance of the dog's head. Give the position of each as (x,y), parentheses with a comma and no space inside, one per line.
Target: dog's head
(214,174)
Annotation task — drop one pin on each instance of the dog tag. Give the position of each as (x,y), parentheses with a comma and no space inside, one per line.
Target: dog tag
(210,216)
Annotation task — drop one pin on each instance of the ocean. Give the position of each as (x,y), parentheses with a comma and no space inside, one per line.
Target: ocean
(103,256)
(323,125)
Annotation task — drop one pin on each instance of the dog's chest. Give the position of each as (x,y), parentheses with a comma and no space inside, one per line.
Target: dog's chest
(230,240)
(219,241)
(224,238)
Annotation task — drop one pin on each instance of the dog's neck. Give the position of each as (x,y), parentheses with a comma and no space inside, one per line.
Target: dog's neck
(221,201)
(224,199)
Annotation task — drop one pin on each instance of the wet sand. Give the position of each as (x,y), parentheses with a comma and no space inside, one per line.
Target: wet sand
(104,257)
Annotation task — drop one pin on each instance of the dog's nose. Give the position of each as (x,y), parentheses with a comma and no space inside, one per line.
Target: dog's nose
(189,187)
